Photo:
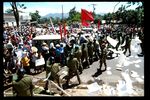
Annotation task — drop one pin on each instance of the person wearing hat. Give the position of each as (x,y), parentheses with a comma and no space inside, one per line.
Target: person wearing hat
(52,50)
(62,61)
(25,62)
(45,52)
(9,55)
(73,65)
(22,85)
(96,49)
(34,57)
(57,54)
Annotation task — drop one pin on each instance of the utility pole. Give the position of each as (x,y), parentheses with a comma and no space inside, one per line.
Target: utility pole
(93,7)
(62,14)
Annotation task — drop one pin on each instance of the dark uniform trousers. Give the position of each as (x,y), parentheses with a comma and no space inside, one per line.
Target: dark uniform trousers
(103,57)
(73,69)
(90,52)
(78,55)
(128,44)
(85,56)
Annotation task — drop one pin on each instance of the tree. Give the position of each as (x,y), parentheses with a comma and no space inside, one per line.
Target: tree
(108,17)
(140,12)
(74,16)
(72,12)
(9,11)
(16,11)
(35,16)
(43,20)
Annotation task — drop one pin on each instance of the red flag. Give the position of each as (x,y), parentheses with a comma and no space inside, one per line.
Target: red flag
(84,23)
(86,15)
(60,30)
(98,24)
(64,29)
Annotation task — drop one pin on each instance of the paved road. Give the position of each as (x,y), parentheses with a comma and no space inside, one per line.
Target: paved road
(111,75)
(133,63)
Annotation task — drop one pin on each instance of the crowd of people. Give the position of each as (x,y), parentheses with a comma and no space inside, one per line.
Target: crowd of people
(77,52)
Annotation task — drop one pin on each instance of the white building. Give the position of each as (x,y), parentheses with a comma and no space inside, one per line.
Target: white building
(9,19)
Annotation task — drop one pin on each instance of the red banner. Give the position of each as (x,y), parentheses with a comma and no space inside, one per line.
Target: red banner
(84,23)
(98,24)
(64,29)
(60,30)
(86,16)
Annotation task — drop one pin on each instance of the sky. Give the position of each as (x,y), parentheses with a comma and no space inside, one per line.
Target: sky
(45,8)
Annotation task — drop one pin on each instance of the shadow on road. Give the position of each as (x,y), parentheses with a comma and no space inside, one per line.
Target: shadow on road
(70,86)
(99,72)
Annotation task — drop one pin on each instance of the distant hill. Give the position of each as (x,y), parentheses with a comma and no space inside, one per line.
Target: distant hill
(102,14)
(66,15)
(54,15)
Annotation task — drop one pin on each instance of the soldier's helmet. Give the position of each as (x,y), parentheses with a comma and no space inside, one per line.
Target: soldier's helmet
(21,71)
(103,45)
(76,47)
(52,60)
(71,55)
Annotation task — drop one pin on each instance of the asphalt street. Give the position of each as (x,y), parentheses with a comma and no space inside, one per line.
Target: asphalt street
(133,63)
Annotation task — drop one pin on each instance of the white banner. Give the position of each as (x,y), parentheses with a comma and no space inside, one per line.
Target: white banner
(112,41)
(39,62)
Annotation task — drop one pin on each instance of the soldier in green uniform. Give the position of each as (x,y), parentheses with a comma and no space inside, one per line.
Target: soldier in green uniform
(96,50)
(78,54)
(85,54)
(128,44)
(90,51)
(103,55)
(23,85)
(73,65)
(52,68)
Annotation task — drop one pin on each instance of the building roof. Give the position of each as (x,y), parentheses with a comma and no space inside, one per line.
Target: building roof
(10,17)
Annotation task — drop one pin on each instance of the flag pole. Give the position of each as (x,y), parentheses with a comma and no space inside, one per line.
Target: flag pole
(52,25)
(62,24)
(62,13)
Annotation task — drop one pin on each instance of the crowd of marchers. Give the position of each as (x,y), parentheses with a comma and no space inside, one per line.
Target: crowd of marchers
(77,52)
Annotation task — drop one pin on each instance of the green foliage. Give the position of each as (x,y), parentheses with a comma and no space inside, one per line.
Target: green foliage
(35,16)
(9,11)
(43,20)
(74,16)
(129,17)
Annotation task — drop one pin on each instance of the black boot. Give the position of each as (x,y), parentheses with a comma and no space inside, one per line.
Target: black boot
(99,70)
